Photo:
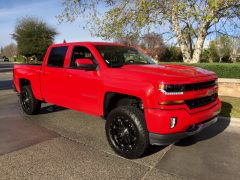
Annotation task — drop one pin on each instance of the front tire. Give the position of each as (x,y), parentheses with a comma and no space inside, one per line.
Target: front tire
(126,132)
(30,105)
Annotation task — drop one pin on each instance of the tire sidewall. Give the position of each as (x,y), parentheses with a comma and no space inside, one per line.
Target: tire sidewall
(137,118)
(31,99)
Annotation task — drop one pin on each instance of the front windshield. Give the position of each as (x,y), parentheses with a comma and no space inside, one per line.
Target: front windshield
(117,56)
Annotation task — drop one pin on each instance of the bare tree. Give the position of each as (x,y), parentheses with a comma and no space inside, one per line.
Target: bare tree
(1,51)
(222,47)
(152,40)
(9,50)
(128,40)
(235,49)
(153,44)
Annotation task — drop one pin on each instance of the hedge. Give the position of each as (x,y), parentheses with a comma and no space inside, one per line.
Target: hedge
(223,70)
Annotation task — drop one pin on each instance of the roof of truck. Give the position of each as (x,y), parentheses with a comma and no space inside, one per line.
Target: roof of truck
(92,43)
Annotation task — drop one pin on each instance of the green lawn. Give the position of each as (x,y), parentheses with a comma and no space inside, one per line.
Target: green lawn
(230,107)
(223,70)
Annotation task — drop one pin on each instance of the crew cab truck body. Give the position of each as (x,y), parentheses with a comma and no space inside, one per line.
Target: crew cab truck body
(144,103)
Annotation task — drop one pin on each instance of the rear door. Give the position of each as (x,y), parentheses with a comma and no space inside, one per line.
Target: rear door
(53,78)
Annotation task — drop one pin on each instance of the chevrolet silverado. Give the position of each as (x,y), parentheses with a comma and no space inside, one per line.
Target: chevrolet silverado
(143,102)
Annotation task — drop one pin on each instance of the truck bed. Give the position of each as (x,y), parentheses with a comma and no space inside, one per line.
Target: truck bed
(29,72)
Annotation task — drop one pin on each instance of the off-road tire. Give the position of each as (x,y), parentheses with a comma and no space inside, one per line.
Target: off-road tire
(136,135)
(30,105)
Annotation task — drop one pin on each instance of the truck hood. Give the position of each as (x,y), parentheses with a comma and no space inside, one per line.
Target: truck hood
(176,72)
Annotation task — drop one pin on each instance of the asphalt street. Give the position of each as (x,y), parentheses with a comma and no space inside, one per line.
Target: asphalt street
(6,67)
(63,144)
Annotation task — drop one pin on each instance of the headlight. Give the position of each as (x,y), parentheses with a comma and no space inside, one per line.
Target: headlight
(171,89)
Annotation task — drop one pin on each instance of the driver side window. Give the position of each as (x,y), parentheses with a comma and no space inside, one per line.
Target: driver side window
(80,52)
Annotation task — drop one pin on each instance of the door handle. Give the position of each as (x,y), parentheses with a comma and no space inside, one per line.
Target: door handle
(69,75)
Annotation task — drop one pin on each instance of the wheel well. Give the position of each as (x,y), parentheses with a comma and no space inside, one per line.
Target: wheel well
(24,82)
(112,100)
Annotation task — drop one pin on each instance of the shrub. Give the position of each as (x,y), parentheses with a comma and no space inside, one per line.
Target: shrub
(171,54)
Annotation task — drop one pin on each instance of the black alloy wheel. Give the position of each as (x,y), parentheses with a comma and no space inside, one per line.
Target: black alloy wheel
(126,131)
(30,105)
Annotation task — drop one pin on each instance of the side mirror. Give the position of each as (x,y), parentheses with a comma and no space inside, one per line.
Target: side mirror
(85,64)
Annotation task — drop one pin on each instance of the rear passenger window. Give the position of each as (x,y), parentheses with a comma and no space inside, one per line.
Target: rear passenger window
(57,56)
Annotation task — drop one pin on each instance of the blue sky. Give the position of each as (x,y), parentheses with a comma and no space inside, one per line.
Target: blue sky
(47,10)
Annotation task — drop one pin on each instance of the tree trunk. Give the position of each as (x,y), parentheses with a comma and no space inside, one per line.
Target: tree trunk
(202,33)
(186,55)
(220,59)
(190,55)
(182,42)
(198,50)
(234,60)
(210,60)
(233,56)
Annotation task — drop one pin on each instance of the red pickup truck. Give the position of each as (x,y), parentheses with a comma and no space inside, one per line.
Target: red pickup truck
(143,102)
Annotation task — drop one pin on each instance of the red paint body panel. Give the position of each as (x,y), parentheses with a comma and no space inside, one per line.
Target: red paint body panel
(85,90)
(32,73)
(158,120)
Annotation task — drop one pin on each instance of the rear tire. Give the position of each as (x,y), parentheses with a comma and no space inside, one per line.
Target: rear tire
(126,132)
(30,105)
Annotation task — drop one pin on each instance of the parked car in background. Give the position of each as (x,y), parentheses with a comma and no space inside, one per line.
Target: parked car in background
(4,59)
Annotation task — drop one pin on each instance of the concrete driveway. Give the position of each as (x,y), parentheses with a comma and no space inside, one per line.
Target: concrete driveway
(64,144)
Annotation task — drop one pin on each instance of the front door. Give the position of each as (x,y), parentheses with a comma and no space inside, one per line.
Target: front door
(84,86)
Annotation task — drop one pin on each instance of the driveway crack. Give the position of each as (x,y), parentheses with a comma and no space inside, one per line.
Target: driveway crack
(152,167)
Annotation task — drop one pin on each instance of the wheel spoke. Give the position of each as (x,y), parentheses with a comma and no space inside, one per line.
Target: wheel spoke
(25,100)
(124,133)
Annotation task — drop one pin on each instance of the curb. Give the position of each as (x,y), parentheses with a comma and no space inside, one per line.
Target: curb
(4,70)
(228,80)
(7,92)
(9,72)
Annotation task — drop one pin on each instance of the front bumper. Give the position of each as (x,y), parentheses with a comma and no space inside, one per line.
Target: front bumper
(159,139)
(158,120)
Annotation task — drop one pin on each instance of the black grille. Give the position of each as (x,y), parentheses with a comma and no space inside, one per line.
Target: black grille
(195,103)
(198,86)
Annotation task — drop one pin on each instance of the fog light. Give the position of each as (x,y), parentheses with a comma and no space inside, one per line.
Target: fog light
(173,122)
